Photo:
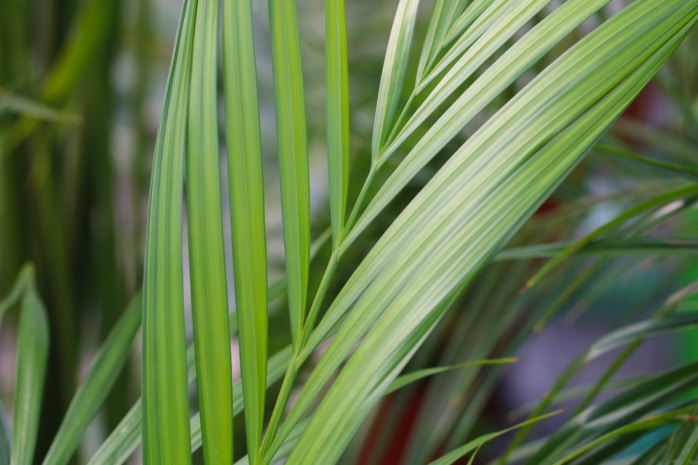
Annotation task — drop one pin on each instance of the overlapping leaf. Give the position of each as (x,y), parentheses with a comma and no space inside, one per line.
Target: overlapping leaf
(247,209)
(474,204)
(165,397)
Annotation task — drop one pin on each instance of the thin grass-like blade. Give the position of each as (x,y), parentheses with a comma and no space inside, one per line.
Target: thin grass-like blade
(32,354)
(410,378)
(206,250)
(659,200)
(476,443)
(247,209)
(165,397)
(123,441)
(604,452)
(654,422)
(666,321)
(615,413)
(605,247)
(25,106)
(678,170)
(337,113)
(293,155)
(688,451)
(24,279)
(96,386)
(394,69)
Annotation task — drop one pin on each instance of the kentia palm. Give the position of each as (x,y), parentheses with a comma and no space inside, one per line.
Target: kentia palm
(420,265)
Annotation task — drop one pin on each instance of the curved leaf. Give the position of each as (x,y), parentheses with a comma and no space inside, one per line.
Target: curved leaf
(97,384)
(472,206)
(32,355)
(165,397)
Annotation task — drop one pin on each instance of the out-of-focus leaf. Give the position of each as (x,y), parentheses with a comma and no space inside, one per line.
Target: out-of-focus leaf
(688,450)
(23,280)
(605,247)
(34,109)
(475,444)
(679,170)
(96,386)
(410,378)
(654,203)
(618,411)
(32,354)
(652,423)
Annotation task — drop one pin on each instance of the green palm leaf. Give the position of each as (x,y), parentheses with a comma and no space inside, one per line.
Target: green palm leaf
(32,354)
(293,156)
(472,206)
(206,250)
(427,256)
(337,113)
(97,384)
(165,399)
(247,209)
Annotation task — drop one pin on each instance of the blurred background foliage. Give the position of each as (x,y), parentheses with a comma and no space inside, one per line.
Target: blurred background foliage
(81,86)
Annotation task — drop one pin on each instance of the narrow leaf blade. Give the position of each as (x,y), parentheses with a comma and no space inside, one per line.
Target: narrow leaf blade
(247,209)
(293,155)
(165,397)
(206,249)
(32,355)
(337,113)
(394,70)
(96,386)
